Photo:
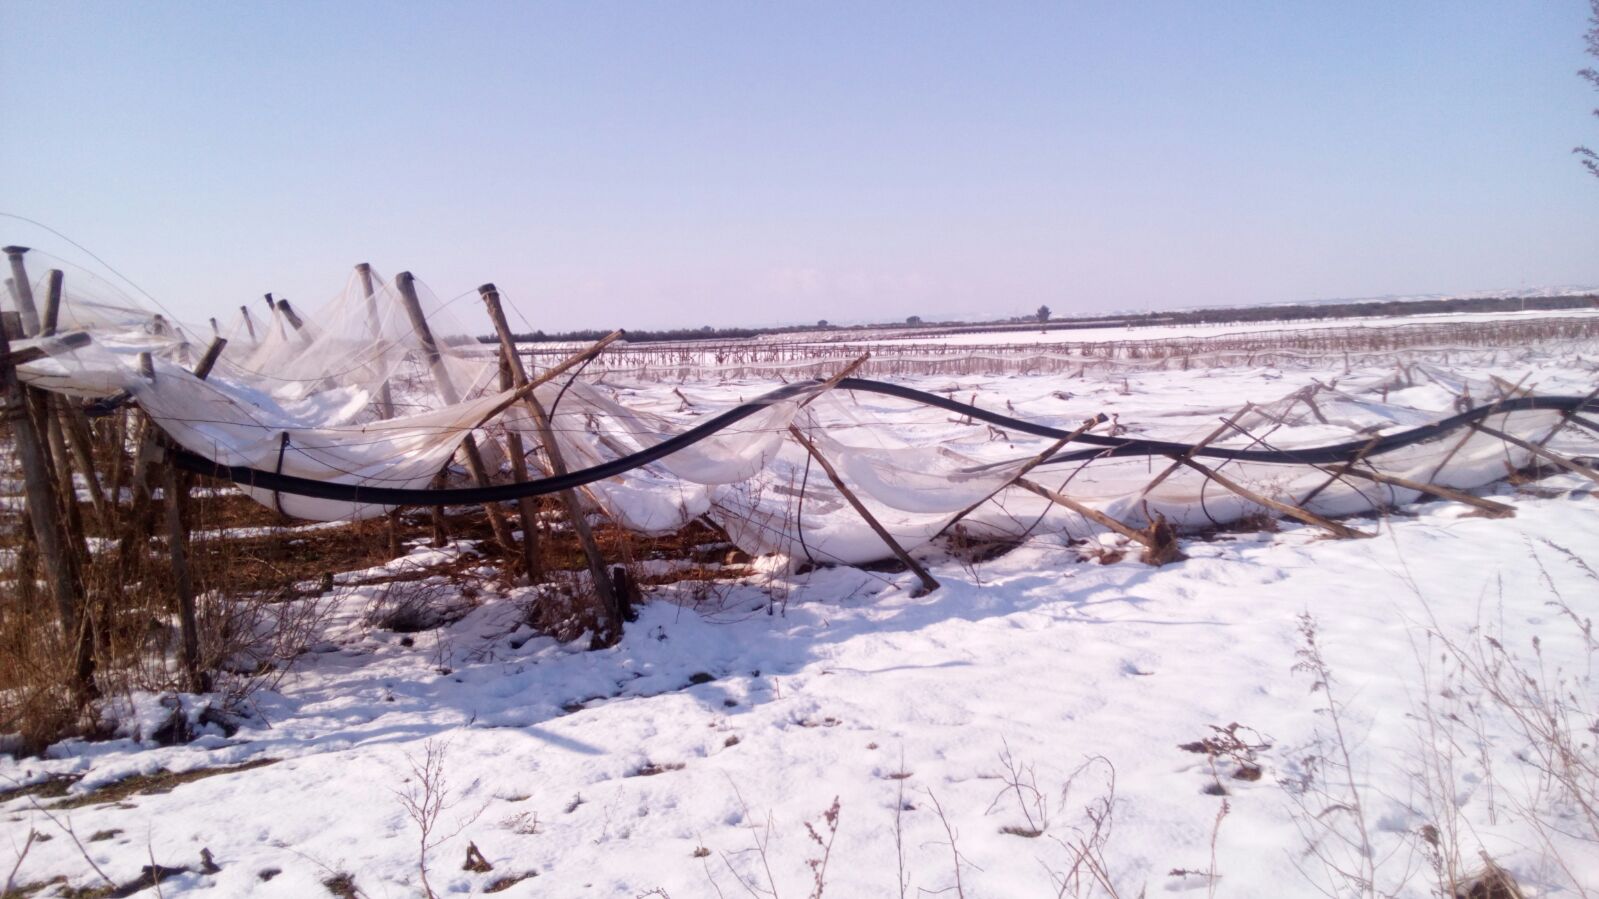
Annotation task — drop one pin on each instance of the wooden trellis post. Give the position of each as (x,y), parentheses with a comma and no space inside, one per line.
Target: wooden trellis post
(62,566)
(22,289)
(608,611)
(385,394)
(474,460)
(249,324)
(509,369)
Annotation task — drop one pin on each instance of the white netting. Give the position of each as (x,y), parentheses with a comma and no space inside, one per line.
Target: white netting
(357,393)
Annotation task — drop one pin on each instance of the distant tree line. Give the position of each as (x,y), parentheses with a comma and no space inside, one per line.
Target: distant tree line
(1364,308)
(1240,314)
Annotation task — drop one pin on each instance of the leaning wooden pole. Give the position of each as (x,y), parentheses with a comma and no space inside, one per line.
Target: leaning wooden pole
(71,421)
(375,322)
(175,486)
(44,514)
(404,283)
(526,509)
(385,394)
(608,611)
(22,289)
(929,584)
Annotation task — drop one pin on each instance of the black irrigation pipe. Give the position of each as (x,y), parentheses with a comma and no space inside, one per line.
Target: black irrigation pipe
(1104,447)
(1316,455)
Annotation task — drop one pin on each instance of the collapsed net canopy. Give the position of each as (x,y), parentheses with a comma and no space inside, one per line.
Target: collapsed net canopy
(318,413)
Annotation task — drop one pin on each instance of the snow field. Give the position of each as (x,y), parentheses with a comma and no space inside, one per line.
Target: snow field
(716,723)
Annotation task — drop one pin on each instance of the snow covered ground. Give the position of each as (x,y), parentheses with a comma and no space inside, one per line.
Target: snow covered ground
(970,737)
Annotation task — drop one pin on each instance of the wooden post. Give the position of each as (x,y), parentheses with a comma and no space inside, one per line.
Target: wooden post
(294,319)
(928,583)
(61,566)
(23,290)
(826,385)
(277,316)
(54,414)
(52,303)
(474,460)
(608,612)
(175,486)
(525,507)
(249,324)
(209,360)
(385,397)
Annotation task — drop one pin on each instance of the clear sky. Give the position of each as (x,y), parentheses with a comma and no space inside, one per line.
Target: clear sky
(663,164)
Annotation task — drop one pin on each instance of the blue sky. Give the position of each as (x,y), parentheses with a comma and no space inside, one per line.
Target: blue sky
(634,164)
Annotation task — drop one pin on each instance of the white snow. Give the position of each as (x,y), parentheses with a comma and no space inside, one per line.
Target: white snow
(735,712)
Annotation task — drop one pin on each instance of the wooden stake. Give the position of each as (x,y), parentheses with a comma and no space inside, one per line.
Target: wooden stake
(175,486)
(385,397)
(1464,438)
(80,441)
(209,360)
(22,288)
(608,612)
(525,507)
(474,459)
(928,583)
(293,319)
(249,325)
(61,567)
(74,340)
(52,303)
